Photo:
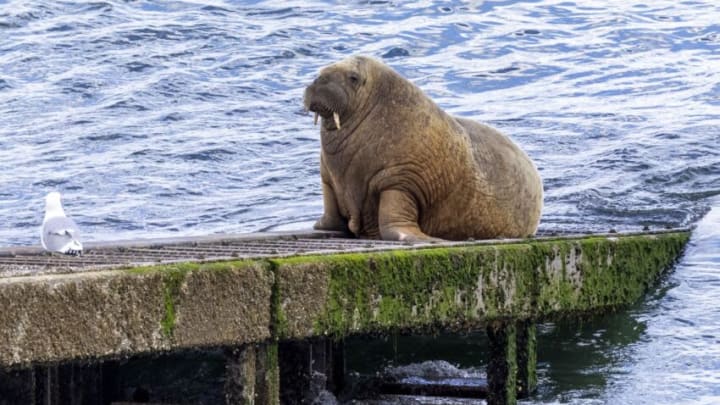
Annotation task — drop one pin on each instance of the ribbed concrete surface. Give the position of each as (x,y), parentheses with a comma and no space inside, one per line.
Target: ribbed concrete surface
(15,261)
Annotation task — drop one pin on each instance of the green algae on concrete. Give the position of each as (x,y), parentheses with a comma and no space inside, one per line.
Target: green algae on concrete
(405,289)
(172,280)
(598,274)
(268,372)
(462,287)
(502,369)
(526,351)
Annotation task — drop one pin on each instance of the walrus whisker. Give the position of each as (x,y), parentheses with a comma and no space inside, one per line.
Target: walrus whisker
(336,117)
(315,118)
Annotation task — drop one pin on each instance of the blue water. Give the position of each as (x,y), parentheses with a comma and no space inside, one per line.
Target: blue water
(676,359)
(181,118)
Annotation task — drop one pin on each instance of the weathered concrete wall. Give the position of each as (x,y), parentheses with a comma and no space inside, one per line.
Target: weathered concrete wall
(104,314)
(59,317)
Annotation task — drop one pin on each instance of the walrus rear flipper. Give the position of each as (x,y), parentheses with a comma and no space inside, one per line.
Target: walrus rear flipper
(398,218)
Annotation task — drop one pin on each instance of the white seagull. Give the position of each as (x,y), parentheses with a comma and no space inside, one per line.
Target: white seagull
(59,233)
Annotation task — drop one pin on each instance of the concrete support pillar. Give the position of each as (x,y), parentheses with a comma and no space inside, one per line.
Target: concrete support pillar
(308,367)
(526,347)
(267,374)
(240,376)
(252,375)
(67,384)
(513,359)
(502,367)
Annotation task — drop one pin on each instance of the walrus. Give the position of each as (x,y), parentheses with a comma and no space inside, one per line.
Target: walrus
(395,166)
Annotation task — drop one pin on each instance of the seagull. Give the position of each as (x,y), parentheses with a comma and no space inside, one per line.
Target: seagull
(59,233)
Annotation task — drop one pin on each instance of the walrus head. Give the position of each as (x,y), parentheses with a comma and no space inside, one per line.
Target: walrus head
(337,92)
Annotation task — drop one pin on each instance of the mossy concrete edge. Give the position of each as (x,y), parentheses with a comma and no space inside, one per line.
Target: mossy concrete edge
(465,287)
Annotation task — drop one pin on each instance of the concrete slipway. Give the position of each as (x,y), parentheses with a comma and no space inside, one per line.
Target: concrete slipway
(251,293)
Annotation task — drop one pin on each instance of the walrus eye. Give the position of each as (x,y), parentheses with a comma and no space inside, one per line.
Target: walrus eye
(354,79)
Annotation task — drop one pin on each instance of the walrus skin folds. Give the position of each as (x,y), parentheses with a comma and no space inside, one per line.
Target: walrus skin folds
(395,166)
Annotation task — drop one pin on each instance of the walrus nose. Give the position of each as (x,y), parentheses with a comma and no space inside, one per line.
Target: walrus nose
(321,80)
(313,87)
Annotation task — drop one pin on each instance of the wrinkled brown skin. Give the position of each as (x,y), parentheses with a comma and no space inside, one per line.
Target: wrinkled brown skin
(400,168)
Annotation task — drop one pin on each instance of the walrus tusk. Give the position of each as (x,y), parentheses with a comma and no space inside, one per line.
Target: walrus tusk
(315,119)
(336,117)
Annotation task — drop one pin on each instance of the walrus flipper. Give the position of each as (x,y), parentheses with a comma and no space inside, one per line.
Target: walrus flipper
(398,218)
(331,220)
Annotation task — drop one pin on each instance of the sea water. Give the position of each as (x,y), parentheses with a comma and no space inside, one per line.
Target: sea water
(186,118)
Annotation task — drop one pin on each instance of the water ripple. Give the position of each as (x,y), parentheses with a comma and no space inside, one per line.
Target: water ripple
(159,119)
(122,94)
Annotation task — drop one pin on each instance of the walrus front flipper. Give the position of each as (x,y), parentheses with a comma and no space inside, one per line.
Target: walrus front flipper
(398,218)
(331,219)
